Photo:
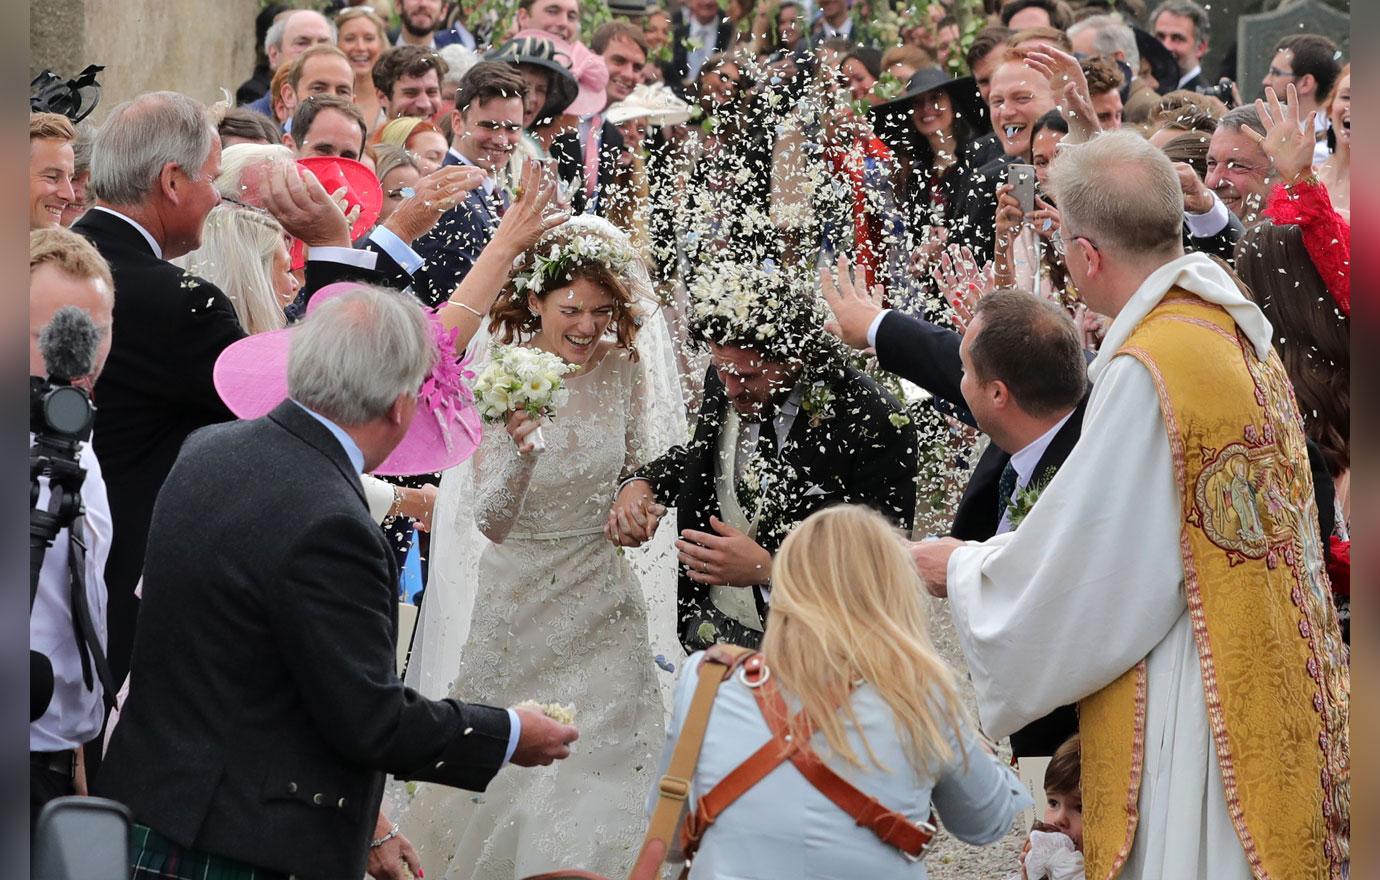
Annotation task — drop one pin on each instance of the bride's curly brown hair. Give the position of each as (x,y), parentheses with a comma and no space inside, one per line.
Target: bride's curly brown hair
(510,319)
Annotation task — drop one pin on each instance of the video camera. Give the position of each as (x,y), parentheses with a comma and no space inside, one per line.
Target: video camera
(60,418)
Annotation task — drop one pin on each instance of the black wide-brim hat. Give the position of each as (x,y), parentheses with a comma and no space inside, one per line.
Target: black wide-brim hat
(1163,65)
(894,115)
(542,53)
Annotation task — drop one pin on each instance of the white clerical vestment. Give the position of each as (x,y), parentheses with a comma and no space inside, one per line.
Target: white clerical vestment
(1091,583)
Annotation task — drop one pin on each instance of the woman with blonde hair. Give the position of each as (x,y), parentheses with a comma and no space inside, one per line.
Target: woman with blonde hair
(244,252)
(419,137)
(363,37)
(847,678)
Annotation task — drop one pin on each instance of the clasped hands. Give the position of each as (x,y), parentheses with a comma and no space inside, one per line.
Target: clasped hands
(726,556)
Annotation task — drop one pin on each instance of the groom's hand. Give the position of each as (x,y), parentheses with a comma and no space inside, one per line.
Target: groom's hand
(543,740)
(932,561)
(728,557)
(635,515)
(853,306)
(387,859)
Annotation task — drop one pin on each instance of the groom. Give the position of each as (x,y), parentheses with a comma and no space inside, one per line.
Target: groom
(786,428)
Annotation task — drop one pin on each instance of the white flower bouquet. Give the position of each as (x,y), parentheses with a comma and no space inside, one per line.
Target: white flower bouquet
(520,378)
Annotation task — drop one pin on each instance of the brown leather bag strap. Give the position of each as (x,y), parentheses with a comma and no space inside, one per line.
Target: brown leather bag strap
(673,789)
(891,827)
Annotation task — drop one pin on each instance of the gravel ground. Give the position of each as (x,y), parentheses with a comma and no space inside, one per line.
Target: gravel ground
(950,858)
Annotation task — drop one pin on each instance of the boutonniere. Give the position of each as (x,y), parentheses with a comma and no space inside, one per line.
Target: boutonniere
(1023,500)
(818,403)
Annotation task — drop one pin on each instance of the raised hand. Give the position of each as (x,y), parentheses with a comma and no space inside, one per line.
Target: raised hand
(1070,87)
(1288,140)
(635,515)
(728,557)
(1197,197)
(435,194)
(853,307)
(299,202)
(543,740)
(963,282)
(534,211)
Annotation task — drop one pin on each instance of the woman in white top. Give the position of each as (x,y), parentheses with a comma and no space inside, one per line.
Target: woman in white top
(847,647)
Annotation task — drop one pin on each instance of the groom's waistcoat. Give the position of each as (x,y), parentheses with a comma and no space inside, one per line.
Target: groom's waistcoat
(1270,652)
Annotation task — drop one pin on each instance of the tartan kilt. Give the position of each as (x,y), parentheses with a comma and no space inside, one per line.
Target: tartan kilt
(154,857)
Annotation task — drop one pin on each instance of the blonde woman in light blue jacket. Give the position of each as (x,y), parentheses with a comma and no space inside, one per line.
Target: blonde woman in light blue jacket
(848,650)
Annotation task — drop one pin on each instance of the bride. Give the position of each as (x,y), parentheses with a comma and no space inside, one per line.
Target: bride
(545,608)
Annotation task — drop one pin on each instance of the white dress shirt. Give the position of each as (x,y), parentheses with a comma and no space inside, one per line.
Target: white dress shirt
(1208,224)
(702,44)
(828,31)
(1187,77)
(75,714)
(1024,463)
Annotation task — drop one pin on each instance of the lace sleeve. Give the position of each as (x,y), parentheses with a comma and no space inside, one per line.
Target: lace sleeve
(1326,236)
(502,477)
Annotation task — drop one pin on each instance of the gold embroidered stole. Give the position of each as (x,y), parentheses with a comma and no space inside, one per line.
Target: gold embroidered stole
(1271,656)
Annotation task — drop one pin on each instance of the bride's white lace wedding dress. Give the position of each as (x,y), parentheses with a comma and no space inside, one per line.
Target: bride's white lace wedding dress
(558,615)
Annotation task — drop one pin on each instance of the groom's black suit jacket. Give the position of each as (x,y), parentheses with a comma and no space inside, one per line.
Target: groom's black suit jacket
(857,456)
(927,355)
(264,706)
(155,390)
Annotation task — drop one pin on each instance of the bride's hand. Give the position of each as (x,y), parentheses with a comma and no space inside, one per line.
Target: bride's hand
(635,515)
(521,426)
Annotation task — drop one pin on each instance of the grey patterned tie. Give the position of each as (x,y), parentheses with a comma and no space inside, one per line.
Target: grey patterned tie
(1006,487)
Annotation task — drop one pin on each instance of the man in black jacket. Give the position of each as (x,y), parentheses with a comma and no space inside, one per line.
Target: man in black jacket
(700,31)
(264,706)
(1018,374)
(785,429)
(171,326)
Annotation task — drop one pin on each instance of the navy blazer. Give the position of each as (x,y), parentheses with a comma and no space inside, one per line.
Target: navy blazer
(264,705)
(454,243)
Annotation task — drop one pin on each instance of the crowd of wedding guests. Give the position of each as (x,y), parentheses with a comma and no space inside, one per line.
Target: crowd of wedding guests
(763,216)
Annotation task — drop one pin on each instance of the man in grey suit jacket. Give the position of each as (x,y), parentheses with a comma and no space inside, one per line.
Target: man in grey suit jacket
(264,705)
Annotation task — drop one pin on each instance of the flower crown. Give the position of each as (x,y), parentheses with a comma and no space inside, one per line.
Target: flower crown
(562,256)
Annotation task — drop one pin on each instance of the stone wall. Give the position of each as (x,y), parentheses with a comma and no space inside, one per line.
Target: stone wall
(193,46)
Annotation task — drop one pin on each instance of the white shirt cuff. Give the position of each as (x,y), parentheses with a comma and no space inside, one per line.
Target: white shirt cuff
(349,256)
(1211,223)
(876,323)
(514,731)
(396,248)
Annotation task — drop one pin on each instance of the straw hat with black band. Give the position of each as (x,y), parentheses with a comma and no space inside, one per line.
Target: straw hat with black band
(564,88)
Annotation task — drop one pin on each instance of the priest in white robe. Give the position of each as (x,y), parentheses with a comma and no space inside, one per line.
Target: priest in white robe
(1092,582)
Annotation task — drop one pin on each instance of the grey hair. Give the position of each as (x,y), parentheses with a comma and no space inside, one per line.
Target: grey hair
(81,147)
(140,137)
(1121,193)
(1202,26)
(1112,35)
(353,355)
(278,29)
(1242,117)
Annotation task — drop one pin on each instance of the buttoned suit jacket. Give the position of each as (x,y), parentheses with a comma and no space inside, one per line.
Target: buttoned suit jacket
(856,456)
(264,706)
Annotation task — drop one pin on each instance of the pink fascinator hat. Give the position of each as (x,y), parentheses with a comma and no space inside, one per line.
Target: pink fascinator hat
(251,377)
(588,69)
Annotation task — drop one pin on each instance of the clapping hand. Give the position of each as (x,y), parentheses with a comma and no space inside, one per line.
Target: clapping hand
(299,202)
(853,306)
(1070,87)
(963,282)
(635,515)
(1288,140)
(435,194)
(728,557)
